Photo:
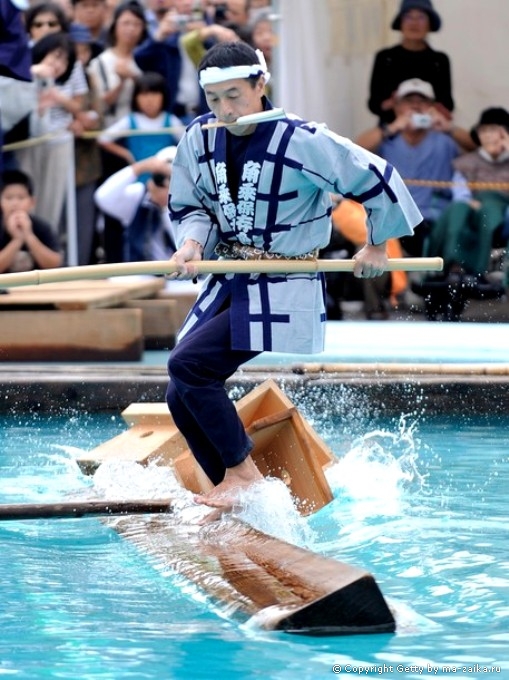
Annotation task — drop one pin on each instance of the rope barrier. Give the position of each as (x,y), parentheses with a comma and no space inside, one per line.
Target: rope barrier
(501,186)
(94,134)
(31,141)
(89,134)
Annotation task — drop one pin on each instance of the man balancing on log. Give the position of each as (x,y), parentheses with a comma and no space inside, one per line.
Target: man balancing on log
(258,188)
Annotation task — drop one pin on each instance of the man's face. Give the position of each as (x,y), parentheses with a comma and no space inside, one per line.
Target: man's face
(159,191)
(235,98)
(413,103)
(90,13)
(236,12)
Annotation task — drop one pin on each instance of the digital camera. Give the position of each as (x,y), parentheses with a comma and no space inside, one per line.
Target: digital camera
(421,121)
(160,179)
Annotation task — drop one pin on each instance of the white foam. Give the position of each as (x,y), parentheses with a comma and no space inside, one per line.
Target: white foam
(269,507)
(125,480)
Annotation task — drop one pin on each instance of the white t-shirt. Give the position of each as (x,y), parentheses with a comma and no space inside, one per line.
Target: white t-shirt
(103,70)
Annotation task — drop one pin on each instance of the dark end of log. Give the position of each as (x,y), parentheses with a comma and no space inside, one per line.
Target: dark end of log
(359,608)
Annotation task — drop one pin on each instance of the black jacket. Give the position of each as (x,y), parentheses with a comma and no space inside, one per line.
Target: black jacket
(395,64)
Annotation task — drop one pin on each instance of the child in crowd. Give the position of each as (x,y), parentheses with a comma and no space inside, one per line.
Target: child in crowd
(473,224)
(149,111)
(26,242)
(467,231)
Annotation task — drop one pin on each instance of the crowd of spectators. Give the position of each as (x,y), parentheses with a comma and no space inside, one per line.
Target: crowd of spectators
(110,86)
(457,177)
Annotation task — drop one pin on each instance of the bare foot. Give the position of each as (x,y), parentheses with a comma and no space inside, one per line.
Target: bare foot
(225,494)
(213,516)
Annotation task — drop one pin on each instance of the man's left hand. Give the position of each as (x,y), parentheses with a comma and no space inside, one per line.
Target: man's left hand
(370,261)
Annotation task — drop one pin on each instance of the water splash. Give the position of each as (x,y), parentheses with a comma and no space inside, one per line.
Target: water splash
(378,470)
(126,480)
(269,507)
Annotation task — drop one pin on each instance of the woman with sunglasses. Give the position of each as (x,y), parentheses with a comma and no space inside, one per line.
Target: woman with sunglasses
(44,18)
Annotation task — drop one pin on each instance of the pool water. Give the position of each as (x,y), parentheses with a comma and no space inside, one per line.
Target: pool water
(419,502)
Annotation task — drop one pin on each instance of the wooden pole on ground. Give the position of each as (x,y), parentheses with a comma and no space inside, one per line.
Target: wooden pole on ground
(159,267)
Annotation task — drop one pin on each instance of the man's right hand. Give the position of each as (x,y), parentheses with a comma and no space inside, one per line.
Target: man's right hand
(190,251)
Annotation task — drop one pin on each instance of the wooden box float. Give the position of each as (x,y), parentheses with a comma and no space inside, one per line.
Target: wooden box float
(90,320)
(285,445)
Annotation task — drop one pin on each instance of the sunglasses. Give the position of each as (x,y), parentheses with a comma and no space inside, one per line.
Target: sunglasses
(50,24)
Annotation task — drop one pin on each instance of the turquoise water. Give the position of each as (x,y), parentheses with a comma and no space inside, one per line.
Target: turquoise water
(420,503)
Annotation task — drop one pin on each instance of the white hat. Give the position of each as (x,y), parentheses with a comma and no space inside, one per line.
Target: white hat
(415,86)
(167,154)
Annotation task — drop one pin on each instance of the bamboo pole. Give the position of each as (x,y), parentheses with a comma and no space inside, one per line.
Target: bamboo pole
(70,509)
(37,277)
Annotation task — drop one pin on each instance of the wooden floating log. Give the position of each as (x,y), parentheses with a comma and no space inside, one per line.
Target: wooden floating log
(70,509)
(281,586)
(285,446)
(278,585)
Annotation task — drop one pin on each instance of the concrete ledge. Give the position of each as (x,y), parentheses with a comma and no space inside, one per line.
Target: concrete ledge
(388,389)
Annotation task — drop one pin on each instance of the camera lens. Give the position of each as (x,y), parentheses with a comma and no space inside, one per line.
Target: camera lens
(159,179)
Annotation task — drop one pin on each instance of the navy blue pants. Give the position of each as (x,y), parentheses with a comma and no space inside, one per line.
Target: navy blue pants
(198,367)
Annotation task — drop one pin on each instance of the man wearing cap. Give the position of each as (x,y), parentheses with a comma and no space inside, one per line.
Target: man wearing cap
(94,15)
(411,58)
(421,143)
(259,191)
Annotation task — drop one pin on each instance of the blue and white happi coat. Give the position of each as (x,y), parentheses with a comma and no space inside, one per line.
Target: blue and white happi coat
(290,169)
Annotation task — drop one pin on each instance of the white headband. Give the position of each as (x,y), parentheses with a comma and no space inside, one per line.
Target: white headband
(214,74)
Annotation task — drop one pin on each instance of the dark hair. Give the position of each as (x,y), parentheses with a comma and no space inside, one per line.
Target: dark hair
(150,82)
(129,6)
(46,8)
(226,54)
(10,177)
(495,115)
(50,43)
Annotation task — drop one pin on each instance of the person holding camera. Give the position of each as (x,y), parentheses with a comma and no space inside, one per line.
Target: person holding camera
(141,207)
(421,143)
(412,57)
